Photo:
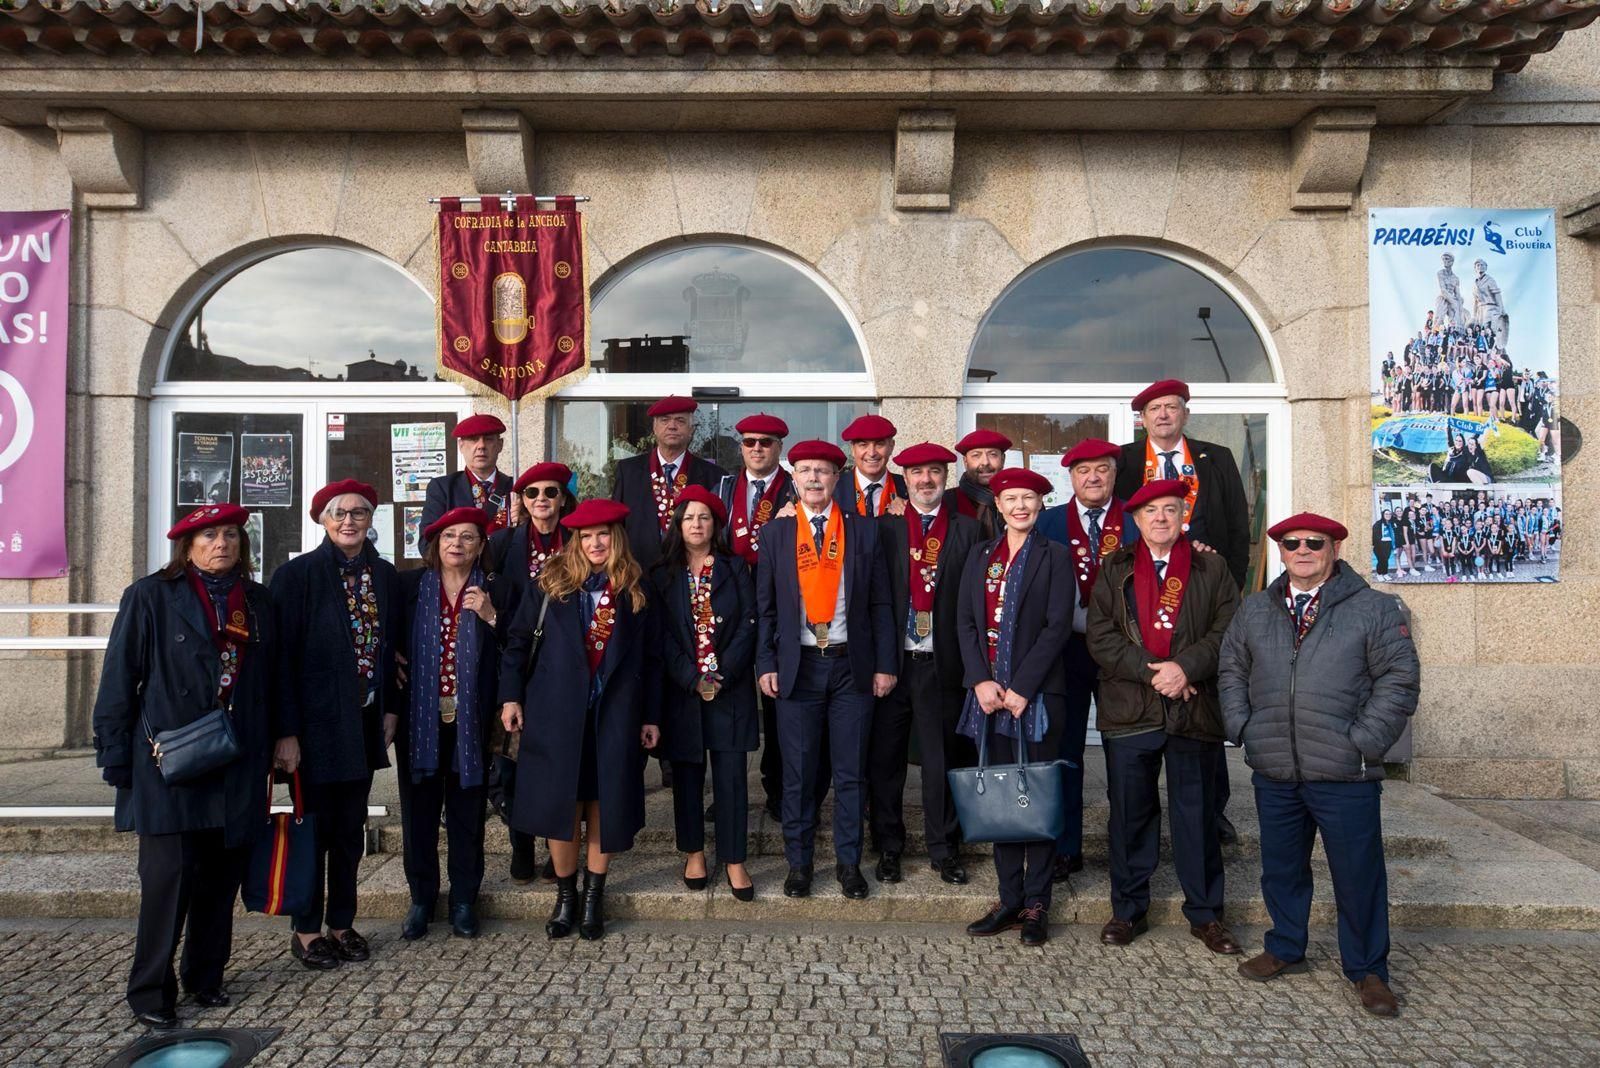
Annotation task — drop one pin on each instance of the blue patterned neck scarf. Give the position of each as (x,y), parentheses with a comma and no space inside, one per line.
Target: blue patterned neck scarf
(426,654)
(591,591)
(1035,720)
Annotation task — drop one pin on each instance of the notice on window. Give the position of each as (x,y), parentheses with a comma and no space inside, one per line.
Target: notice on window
(417,455)
(205,469)
(1048,464)
(255,531)
(412,519)
(382,531)
(266,470)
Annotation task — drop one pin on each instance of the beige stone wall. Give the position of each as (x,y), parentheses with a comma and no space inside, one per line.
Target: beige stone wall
(1508,669)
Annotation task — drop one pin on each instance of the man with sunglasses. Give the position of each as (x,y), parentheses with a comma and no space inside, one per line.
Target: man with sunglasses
(1318,677)
(480,483)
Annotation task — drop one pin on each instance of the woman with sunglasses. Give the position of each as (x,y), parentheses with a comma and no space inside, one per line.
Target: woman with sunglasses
(514,560)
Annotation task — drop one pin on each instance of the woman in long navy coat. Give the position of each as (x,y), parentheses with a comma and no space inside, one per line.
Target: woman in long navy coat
(590,697)
(341,616)
(706,609)
(194,636)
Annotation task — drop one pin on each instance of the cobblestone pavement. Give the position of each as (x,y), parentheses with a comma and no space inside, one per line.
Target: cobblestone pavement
(660,993)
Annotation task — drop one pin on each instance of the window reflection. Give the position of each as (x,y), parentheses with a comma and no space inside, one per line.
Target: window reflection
(311,315)
(1116,315)
(724,308)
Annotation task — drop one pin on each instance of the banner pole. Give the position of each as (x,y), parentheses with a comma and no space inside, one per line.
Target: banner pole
(516,440)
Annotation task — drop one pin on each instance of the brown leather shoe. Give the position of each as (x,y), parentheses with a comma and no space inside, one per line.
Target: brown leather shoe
(1122,932)
(1217,937)
(1376,997)
(1264,966)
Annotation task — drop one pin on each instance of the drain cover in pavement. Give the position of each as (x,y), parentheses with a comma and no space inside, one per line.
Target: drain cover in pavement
(1012,1051)
(198,1048)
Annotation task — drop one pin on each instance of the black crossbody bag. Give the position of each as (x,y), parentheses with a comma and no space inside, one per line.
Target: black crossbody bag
(186,753)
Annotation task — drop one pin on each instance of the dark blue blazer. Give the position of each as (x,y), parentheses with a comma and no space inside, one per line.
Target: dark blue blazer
(632,488)
(1043,619)
(874,645)
(959,539)
(724,491)
(1221,514)
(455,491)
(1053,525)
(340,741)
(689,725)
(844,492)
(487,678)
(162,665)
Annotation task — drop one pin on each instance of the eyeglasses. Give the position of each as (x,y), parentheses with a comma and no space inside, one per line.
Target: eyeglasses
(358,514)
(758,443)
(1314,544)
(533,493)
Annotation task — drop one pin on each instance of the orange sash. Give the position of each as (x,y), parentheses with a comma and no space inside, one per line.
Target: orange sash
(884,499)
(1186,474)
(819,576)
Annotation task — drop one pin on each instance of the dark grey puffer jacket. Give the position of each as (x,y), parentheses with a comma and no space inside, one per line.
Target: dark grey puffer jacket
(1330,711)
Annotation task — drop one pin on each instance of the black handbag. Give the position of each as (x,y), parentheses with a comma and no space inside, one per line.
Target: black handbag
(186,753)
(511,741)
(1019,802)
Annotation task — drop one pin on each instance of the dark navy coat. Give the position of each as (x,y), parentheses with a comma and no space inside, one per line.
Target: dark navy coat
(959,539)
(1221,514)
(505,563)
(340,741)
(455,491)
(689,725)
(632,488)
(874,645)
(844,491)
(725,488)
(1043,619)
(161,662)
(488,671)
(555,701)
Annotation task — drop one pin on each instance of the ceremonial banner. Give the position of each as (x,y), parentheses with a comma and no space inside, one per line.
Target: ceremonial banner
(1466,432)
(34,247)
(513,296)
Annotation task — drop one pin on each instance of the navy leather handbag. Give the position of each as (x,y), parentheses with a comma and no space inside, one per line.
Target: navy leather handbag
(184,754)
(1019,802)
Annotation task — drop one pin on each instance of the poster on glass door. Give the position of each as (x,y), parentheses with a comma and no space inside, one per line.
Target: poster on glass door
(266,470)
(205,469)
(417,456)
(1465,428)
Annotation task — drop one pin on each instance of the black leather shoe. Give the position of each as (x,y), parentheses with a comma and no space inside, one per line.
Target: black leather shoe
(564,915)
(351,946)
(1227,833)
(158,1019)
(524,863)
(1065,866)
(851,881)
(997,920)
(950,870)
(1035,925)
(463,921)
(416,923)
(888,869)
(740,893)
(798,884)
(592,923)
(319,956)
(696,882)
(212,999)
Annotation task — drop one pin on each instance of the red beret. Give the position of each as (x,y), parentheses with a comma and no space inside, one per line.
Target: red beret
(595,512)
(983,439)
(549,471)
(816,450)
(320,499)
(1317,524)
(672,406)
(705,497)
(868,428)
(466,514)
(1090,449)
(1167,387)
(211,515)
(1154,491)
(1020,478)
(762,423)
(925,453)
(476,426)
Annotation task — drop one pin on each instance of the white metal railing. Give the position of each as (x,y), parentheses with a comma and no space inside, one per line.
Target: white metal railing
(64,643)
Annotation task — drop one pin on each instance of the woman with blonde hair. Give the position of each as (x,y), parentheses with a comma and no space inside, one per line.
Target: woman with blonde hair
(580,659)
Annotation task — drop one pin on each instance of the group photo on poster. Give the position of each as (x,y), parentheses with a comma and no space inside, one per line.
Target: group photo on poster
(266,470)
(1465,431)
(205,468)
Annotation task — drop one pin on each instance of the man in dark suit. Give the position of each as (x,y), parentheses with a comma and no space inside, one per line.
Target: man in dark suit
(826,647)
(649,483)
(480,482)
(925,550)
(760,491)
(1216,517)
(1092,527)
(983,454)
(867,487)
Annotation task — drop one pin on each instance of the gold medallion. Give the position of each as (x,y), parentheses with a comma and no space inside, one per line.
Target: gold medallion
(820,631)
(447,709)
(923,622)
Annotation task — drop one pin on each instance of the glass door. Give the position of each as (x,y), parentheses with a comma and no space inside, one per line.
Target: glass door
(397,451)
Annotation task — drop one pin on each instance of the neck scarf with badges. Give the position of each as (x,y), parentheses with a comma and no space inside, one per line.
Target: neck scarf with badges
(1086,557)
(1307,616)
(819,575)
(361,603)
(1159,602)
(666,493)
(1153,462)
(483,496)
(885,494)
(747,528)
(445,646)
(924,567)
(223,602)
(541,548)
(705,621)
(602,620)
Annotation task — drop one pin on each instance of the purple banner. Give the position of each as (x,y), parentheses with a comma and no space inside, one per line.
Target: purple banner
(33,392)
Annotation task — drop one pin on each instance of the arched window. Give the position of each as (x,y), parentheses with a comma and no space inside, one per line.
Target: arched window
(297,366)
(742,327)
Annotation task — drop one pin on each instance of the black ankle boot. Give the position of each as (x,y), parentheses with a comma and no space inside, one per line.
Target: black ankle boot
(593,924)
(565,912)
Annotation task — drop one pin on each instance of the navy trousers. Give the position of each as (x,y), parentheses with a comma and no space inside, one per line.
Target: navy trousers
(824,697)
(1133,771)
(1083,674)
(1347,815)
(463,808)
(187,880)
(772,757)
(919,703)
(730,792)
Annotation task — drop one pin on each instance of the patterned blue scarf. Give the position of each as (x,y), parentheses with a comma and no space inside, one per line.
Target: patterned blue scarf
(591,590)
(1035,720)
(426,653)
